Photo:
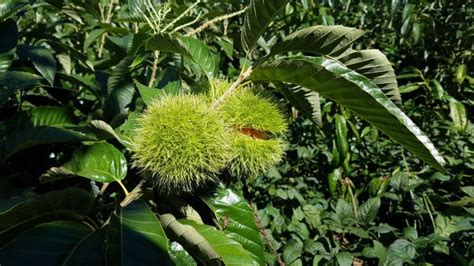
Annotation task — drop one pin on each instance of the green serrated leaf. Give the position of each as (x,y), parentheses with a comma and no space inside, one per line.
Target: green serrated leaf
(42,59)
(188,237)
(348,88)
(374,65)
(37,126)
(319,40)
(368,210)
(237,219)
(6,60)
(258,16)
(304,100)
(230,251)
(458,115)
(13,81)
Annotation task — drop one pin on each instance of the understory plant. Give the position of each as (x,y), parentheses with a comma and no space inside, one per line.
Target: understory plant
(128,137)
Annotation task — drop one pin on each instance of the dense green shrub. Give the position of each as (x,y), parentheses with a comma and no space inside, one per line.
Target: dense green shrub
(76,77)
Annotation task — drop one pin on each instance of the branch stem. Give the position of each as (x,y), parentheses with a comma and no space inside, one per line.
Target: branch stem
(154,68)
(214,21)
(125,190)
(134,194)
(265,235)
(245,75)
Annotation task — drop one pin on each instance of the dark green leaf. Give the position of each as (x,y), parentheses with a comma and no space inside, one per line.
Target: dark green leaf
(344,212)
(181,256)
(344,258)
(304,100)
(368,210)
(350,89)
(374,65)
(40,125)
(257,17)
(148,94)
(127,130)
(103,130)
(42,59)
(458,115)
(89,250)
(319,40)
(237,219)
(45,244)
(69,204)
(292,251)
(400,251)
(100,162)
(8,8)
(12,81)
(6,60)
(119,100)
(192,48)
(135,237)
(231,252)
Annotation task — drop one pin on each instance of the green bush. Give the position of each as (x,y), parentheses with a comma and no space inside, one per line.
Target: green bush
(97,167)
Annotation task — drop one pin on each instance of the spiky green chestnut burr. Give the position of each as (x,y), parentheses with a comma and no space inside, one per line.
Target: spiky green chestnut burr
(258,128)
(181,143)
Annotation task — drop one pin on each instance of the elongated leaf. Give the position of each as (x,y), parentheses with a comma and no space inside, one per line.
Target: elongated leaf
(190,239)
(148,94)
(180,255)
(93,35)
(135,237)
(257,17)
(202,55)
(12,81)
(458,115)
(369,209)
(37,126)
(7,9)
(119,73)
(6,60)
(42,59)
(89,250)
(69,204)
(100,162)
(304,100)
(192,48)
(103,130)
(348,88)
(230,251)
(117,103)
(319,40)
(19,140)
(237,219)
(46,244)
(40,116)
(374,65)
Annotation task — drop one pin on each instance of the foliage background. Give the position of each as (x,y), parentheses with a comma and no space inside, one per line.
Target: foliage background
(407,212)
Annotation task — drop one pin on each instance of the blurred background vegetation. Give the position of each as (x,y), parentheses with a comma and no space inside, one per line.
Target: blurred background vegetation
(430,45)
(307,202)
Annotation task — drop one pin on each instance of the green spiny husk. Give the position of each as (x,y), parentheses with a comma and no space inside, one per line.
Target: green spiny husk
(246,112)
(181,144)
(252,156)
